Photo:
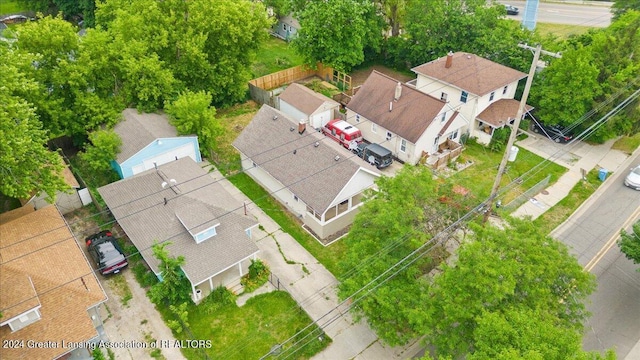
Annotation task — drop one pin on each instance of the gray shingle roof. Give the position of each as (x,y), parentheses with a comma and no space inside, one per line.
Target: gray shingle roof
(138,204)
(411,115)
(470,73)
(304,99)
(139,130)
(311,173)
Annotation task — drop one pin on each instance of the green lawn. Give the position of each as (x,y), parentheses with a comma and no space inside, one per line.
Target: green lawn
(627,144)
(479,177)
(553,217)
(249,332)
(275,55)
(561,31)
(10,7)
(327,256)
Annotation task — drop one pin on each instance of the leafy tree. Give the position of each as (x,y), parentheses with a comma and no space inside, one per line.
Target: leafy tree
(192,113)
(513,293)
(204,44)
(280,7)
(394,12)
(403,215)
(620,7)
(629,243)
(174,288)
(103,148)
(26,166)
(567,87)
(65,102)
(336,32)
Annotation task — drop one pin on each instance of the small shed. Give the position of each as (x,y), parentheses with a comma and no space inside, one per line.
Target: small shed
(302,103)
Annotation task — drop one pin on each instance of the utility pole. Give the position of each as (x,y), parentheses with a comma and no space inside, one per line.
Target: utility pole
(516,124)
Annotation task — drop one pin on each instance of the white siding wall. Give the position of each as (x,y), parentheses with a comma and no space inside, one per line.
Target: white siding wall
(359,182)
(290,110)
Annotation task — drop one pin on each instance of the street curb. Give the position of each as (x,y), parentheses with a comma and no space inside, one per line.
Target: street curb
(607,183)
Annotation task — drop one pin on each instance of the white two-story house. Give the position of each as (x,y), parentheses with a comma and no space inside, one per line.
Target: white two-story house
(481,90)
(412,124)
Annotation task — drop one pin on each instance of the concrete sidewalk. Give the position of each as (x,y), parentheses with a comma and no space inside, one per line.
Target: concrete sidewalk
(314,291)
(572,156)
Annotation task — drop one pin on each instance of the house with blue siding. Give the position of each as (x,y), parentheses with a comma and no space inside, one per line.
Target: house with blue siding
(148,141)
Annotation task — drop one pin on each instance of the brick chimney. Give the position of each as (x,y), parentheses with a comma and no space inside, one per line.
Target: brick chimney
(449,61)
(302,126)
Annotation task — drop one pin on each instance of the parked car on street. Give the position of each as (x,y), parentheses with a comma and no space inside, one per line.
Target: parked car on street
(633,179)
(511,10)
(375,154)
(106,252)
(554,132)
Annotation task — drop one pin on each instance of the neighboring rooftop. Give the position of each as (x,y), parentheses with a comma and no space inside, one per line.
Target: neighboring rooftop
(305,99)
(139,130)
(41,264)
(470,73)
(410,115)
(501,112)
(149,213)
(315,174)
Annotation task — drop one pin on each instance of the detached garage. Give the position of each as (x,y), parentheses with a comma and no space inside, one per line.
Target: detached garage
(302,103)
(149,140)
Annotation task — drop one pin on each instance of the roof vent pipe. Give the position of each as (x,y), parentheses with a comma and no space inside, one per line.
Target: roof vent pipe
(449,61)
(390,106)
(398,93)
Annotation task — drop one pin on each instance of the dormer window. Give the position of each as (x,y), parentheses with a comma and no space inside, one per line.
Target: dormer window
(198,219)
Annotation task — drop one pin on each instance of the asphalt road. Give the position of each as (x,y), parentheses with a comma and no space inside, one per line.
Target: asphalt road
(575,13)
(591,234)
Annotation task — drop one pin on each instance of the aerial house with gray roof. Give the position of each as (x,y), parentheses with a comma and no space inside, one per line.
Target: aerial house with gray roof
(181,204)
(318,180)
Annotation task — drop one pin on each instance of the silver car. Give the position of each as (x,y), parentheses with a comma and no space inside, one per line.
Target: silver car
(633,179)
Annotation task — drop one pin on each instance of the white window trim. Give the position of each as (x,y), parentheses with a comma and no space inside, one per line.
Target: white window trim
(374,128)
(403,145)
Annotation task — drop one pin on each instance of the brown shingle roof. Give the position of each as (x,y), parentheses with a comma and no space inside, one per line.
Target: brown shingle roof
(470,73)
(304,99)
(411,115)
(39,248)
(501,111)
(138,205)
(138,130)
(312,173)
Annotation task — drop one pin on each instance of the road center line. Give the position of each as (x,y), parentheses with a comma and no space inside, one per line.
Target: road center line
(612,241)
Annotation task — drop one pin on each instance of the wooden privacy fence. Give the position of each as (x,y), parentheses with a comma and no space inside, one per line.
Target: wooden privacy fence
(262,89)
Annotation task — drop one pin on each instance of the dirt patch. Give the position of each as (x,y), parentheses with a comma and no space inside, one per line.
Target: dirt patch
(359,76)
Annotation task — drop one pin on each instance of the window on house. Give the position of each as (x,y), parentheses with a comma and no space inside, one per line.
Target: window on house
(443,96)
(388,135)
(504,90)
(254,164)
(403,145)
(453,135)
(374,128)
(493,94)
(284,27)
(295,198)
(444,116)
(357,117)
(464,96)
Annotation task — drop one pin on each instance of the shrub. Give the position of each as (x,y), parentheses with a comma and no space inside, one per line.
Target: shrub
(217,299)
(257,276)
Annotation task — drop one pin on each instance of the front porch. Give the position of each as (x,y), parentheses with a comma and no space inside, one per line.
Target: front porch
(229,278)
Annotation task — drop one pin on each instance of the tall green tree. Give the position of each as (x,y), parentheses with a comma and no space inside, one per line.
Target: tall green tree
(204,44)
(394,12)
(192,113)
(337,32)
(511,293)
(174,288)
(402,216)
(629,243)
(103,147)
(620,7)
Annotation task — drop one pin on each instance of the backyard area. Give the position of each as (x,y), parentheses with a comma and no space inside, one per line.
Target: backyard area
(275,55)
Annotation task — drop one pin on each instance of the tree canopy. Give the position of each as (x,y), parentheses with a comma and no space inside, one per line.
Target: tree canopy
(629,243)
(192,113)
(337,32)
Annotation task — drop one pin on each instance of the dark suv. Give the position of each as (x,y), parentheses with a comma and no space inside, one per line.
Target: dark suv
(554,132)
(375,154)
(106,252)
